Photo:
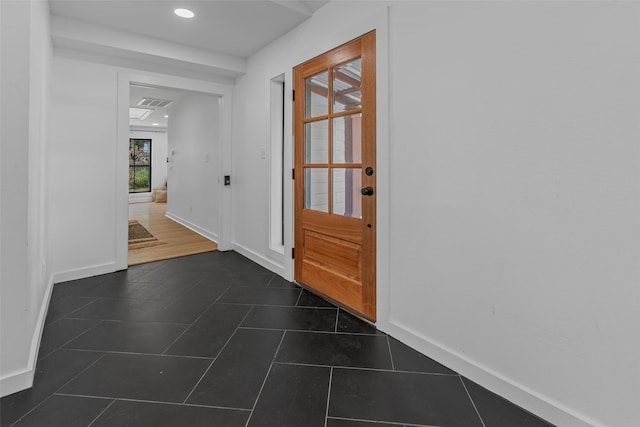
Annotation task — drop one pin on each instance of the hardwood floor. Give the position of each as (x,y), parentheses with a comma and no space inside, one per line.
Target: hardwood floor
(178,240)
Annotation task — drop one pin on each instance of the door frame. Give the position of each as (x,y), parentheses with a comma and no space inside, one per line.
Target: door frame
(225,93)
(378,21)
(357,292)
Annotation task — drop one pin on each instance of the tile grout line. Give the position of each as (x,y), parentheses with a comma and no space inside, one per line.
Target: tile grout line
(21,417)
(393,366)
(102,412)
(255,403)
(60,347)
(65,316)
(359,368)
(337,318)
(269,282)
(384,422)
(213,361)
(199,381)
(195,321)
(158,402)
(471,400)
(299,297)
(358,334)
(177,297)
(133,353)
(326,414)
(60,388)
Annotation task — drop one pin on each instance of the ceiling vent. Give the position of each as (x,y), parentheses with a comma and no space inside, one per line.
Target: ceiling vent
(153,102)
(139,113)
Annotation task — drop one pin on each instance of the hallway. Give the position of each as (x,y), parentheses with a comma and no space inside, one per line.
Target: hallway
(177,240)
(216,340)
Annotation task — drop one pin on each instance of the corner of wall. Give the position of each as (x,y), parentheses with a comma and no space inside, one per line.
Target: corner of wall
(22,380)
(518,394)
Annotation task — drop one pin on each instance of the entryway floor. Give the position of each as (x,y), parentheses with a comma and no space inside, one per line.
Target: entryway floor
(177,240)
(216,340)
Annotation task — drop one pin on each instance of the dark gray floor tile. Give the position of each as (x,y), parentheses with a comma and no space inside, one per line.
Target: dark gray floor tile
(314,348)
(65,305)
(207,336)
(174,276)
(293,396)
(143,377)
(339,422)
(309,299)
(136,271)
(261,296)
(208,262)
(407,359)
(194,305)
(253,278)
(80,287)
(116,278)
(143,414)
(56,334)
(52,372)
(401,397)
(119,309)
(65,411)
(158,290)
(134,337)
(499,412)
(293,318)
(190,305)
(237,375)
(352,325)
(280,282)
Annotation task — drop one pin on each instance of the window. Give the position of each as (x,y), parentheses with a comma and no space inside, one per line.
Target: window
(139,165)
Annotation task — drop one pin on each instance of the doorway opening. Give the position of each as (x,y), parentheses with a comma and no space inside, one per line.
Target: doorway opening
(175,132)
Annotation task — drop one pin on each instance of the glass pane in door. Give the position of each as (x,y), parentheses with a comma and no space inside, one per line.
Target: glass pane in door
(316,189)
(316,142)
(347,199)
(347,138)
(347,93)
(316,95)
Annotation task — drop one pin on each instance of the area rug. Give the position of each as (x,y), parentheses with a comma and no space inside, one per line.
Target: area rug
(140,237)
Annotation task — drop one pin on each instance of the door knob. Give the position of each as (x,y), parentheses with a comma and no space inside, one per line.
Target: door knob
(367,191)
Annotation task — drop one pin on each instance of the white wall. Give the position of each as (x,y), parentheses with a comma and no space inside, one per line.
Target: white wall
(159,153)
(512,190)
(82,164)
(25,280)
(194,164)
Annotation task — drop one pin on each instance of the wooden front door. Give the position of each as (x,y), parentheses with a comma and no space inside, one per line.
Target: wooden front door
(335,173)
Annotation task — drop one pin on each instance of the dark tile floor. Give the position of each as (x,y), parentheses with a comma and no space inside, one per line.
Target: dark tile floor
(216,340)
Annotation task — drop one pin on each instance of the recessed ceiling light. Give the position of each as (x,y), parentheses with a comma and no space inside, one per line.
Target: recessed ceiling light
(166,116)
(184,13)
(155,124)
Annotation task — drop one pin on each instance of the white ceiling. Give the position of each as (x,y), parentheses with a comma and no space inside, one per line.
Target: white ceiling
(136,93)
(233,27)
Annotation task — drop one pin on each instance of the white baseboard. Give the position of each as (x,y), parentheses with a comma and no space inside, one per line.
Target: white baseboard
(81,273)
(532,401)
(16,382)
(22,380)
(259,259)
(193,227)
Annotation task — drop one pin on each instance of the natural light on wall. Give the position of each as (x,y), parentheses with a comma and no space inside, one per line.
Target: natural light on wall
(276,167)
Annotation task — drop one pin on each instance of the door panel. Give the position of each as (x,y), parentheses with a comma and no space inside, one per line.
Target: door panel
(335,216)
